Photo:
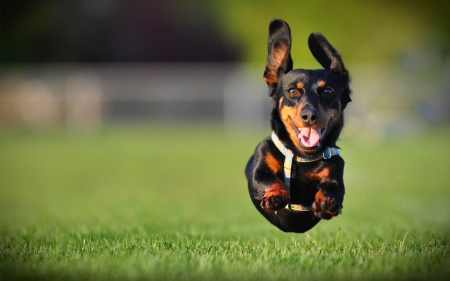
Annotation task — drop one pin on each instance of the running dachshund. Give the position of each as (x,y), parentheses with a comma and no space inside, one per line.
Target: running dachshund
(295,176)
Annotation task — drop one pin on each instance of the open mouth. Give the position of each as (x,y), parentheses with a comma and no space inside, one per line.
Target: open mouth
(309,137)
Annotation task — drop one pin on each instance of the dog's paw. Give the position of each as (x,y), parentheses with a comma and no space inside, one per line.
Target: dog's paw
(276,197)
(275,202)
(325,207)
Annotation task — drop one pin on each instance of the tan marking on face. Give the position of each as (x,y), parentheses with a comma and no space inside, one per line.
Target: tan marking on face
(273,164)
(321,83)
(299,85)
(280,103)
(288,113)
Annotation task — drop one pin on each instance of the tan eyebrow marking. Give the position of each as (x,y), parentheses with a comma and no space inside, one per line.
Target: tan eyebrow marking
(299,85)
(321,83)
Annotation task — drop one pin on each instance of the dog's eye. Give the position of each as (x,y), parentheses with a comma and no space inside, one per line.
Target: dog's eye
(293,92)
(327,92)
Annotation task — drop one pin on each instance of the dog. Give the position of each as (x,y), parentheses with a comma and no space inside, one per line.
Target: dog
(295,176)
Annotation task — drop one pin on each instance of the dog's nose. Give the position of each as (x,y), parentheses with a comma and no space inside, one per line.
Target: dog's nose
(309,116)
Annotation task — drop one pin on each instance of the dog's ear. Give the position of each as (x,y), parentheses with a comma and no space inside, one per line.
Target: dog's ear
(325,54)
(330,59)
(279,59)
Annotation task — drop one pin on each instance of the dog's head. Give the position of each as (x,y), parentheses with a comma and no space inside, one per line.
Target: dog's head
(308,104)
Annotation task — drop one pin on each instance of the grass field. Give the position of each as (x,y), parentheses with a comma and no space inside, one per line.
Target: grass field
(170,202)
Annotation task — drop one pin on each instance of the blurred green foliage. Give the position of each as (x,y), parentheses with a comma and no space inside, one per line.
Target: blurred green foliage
(361,30)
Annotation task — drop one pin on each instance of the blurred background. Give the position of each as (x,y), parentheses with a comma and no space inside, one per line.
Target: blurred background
(83,64)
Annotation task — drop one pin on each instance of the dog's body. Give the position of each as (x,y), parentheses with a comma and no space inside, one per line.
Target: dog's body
(307,118)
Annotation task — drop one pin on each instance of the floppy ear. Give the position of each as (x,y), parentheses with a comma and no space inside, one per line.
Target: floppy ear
(325,54)
(279,59)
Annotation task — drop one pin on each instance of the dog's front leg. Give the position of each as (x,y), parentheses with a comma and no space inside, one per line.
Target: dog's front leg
(267,184)
(327,204)
(330,195)
(275,197)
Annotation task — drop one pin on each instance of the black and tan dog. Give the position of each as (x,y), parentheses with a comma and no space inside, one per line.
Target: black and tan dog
(295,177)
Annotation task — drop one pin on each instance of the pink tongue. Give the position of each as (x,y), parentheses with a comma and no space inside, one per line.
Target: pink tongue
(309,137)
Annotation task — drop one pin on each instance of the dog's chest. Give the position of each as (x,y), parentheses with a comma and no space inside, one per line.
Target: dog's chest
(305,178)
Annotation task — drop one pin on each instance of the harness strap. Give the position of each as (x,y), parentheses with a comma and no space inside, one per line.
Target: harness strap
(289,156)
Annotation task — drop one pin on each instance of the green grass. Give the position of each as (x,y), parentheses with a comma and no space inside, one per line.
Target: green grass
(170,202)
